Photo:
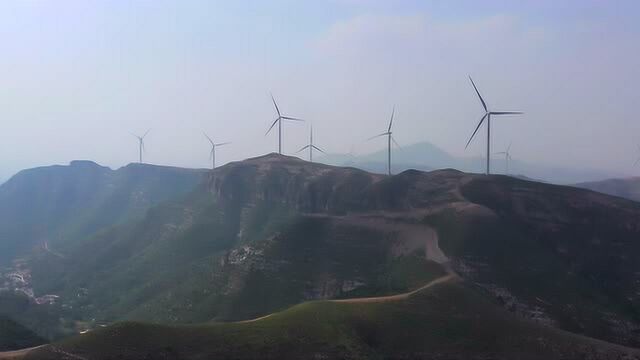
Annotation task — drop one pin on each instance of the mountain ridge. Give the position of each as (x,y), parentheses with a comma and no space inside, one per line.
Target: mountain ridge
(262,235)
(628,188)
(426,156)
(256,236)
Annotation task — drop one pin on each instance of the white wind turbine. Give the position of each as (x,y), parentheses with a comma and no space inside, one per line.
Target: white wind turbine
(389,135)
(278,121)
(140,144)
(507,158)
(311,146)
(487,115)
(212,154)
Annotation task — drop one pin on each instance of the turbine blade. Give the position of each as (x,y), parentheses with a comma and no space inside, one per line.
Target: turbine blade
(317,148)
(391,122)
(500,153)
(274,104)
(484,105)
(506,112)
(211,154)
(291,118)
(476,130)
(509,147)
(272,125)
(145,134)
(396,143)
(208,138)
(303,148)
(224,143)
(373,137)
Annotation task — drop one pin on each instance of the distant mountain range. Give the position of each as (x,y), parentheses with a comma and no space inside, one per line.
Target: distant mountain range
(628,188)
(426,156)
(517,263)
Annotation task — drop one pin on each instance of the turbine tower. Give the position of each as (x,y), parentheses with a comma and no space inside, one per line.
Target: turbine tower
(487,115)
(310,146)
(141,144)
(389,135)
(278,120)
(212,154)
(507,158)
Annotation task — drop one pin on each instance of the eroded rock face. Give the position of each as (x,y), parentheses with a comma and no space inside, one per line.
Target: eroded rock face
(497,220)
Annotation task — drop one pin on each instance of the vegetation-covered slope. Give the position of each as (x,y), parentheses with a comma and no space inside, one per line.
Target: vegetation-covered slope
(56,205)
(447,321)
(270,232)
(15,336)
(561,256)
(257,238)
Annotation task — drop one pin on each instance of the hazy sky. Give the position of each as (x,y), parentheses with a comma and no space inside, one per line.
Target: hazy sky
(78,76)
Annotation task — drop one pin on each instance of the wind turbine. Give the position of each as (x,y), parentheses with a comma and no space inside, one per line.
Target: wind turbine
(141,144)
(507,158)
(487,115)
(389,135)
(311,147)
(212,154)
(278,120)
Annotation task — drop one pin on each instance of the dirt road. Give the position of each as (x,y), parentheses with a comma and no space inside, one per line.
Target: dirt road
(397,297)
(17,354)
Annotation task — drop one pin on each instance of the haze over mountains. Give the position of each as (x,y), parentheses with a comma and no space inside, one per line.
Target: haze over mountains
(471,196)
(60,204)
(628,188)
(426,156)
(258,236)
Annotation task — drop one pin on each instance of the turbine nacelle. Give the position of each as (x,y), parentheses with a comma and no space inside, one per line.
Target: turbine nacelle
(487,115)
(389,134)
(212,153)
(311,146)
(278,121)
(141,143)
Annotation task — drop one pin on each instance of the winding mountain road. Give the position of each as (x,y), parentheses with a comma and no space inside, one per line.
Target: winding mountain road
(398,297)
(16,354)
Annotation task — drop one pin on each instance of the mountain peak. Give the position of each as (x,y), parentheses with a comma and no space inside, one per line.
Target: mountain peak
(86,164)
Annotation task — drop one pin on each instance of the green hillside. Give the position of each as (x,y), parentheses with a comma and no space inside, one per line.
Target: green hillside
(447,321)
(267,233)
(58,205)
(14,336)
(236,254)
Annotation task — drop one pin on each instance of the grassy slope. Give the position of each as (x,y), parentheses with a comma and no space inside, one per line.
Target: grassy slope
(162,273)
(571,253)
(447,321)
(14,336)
(139,272)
